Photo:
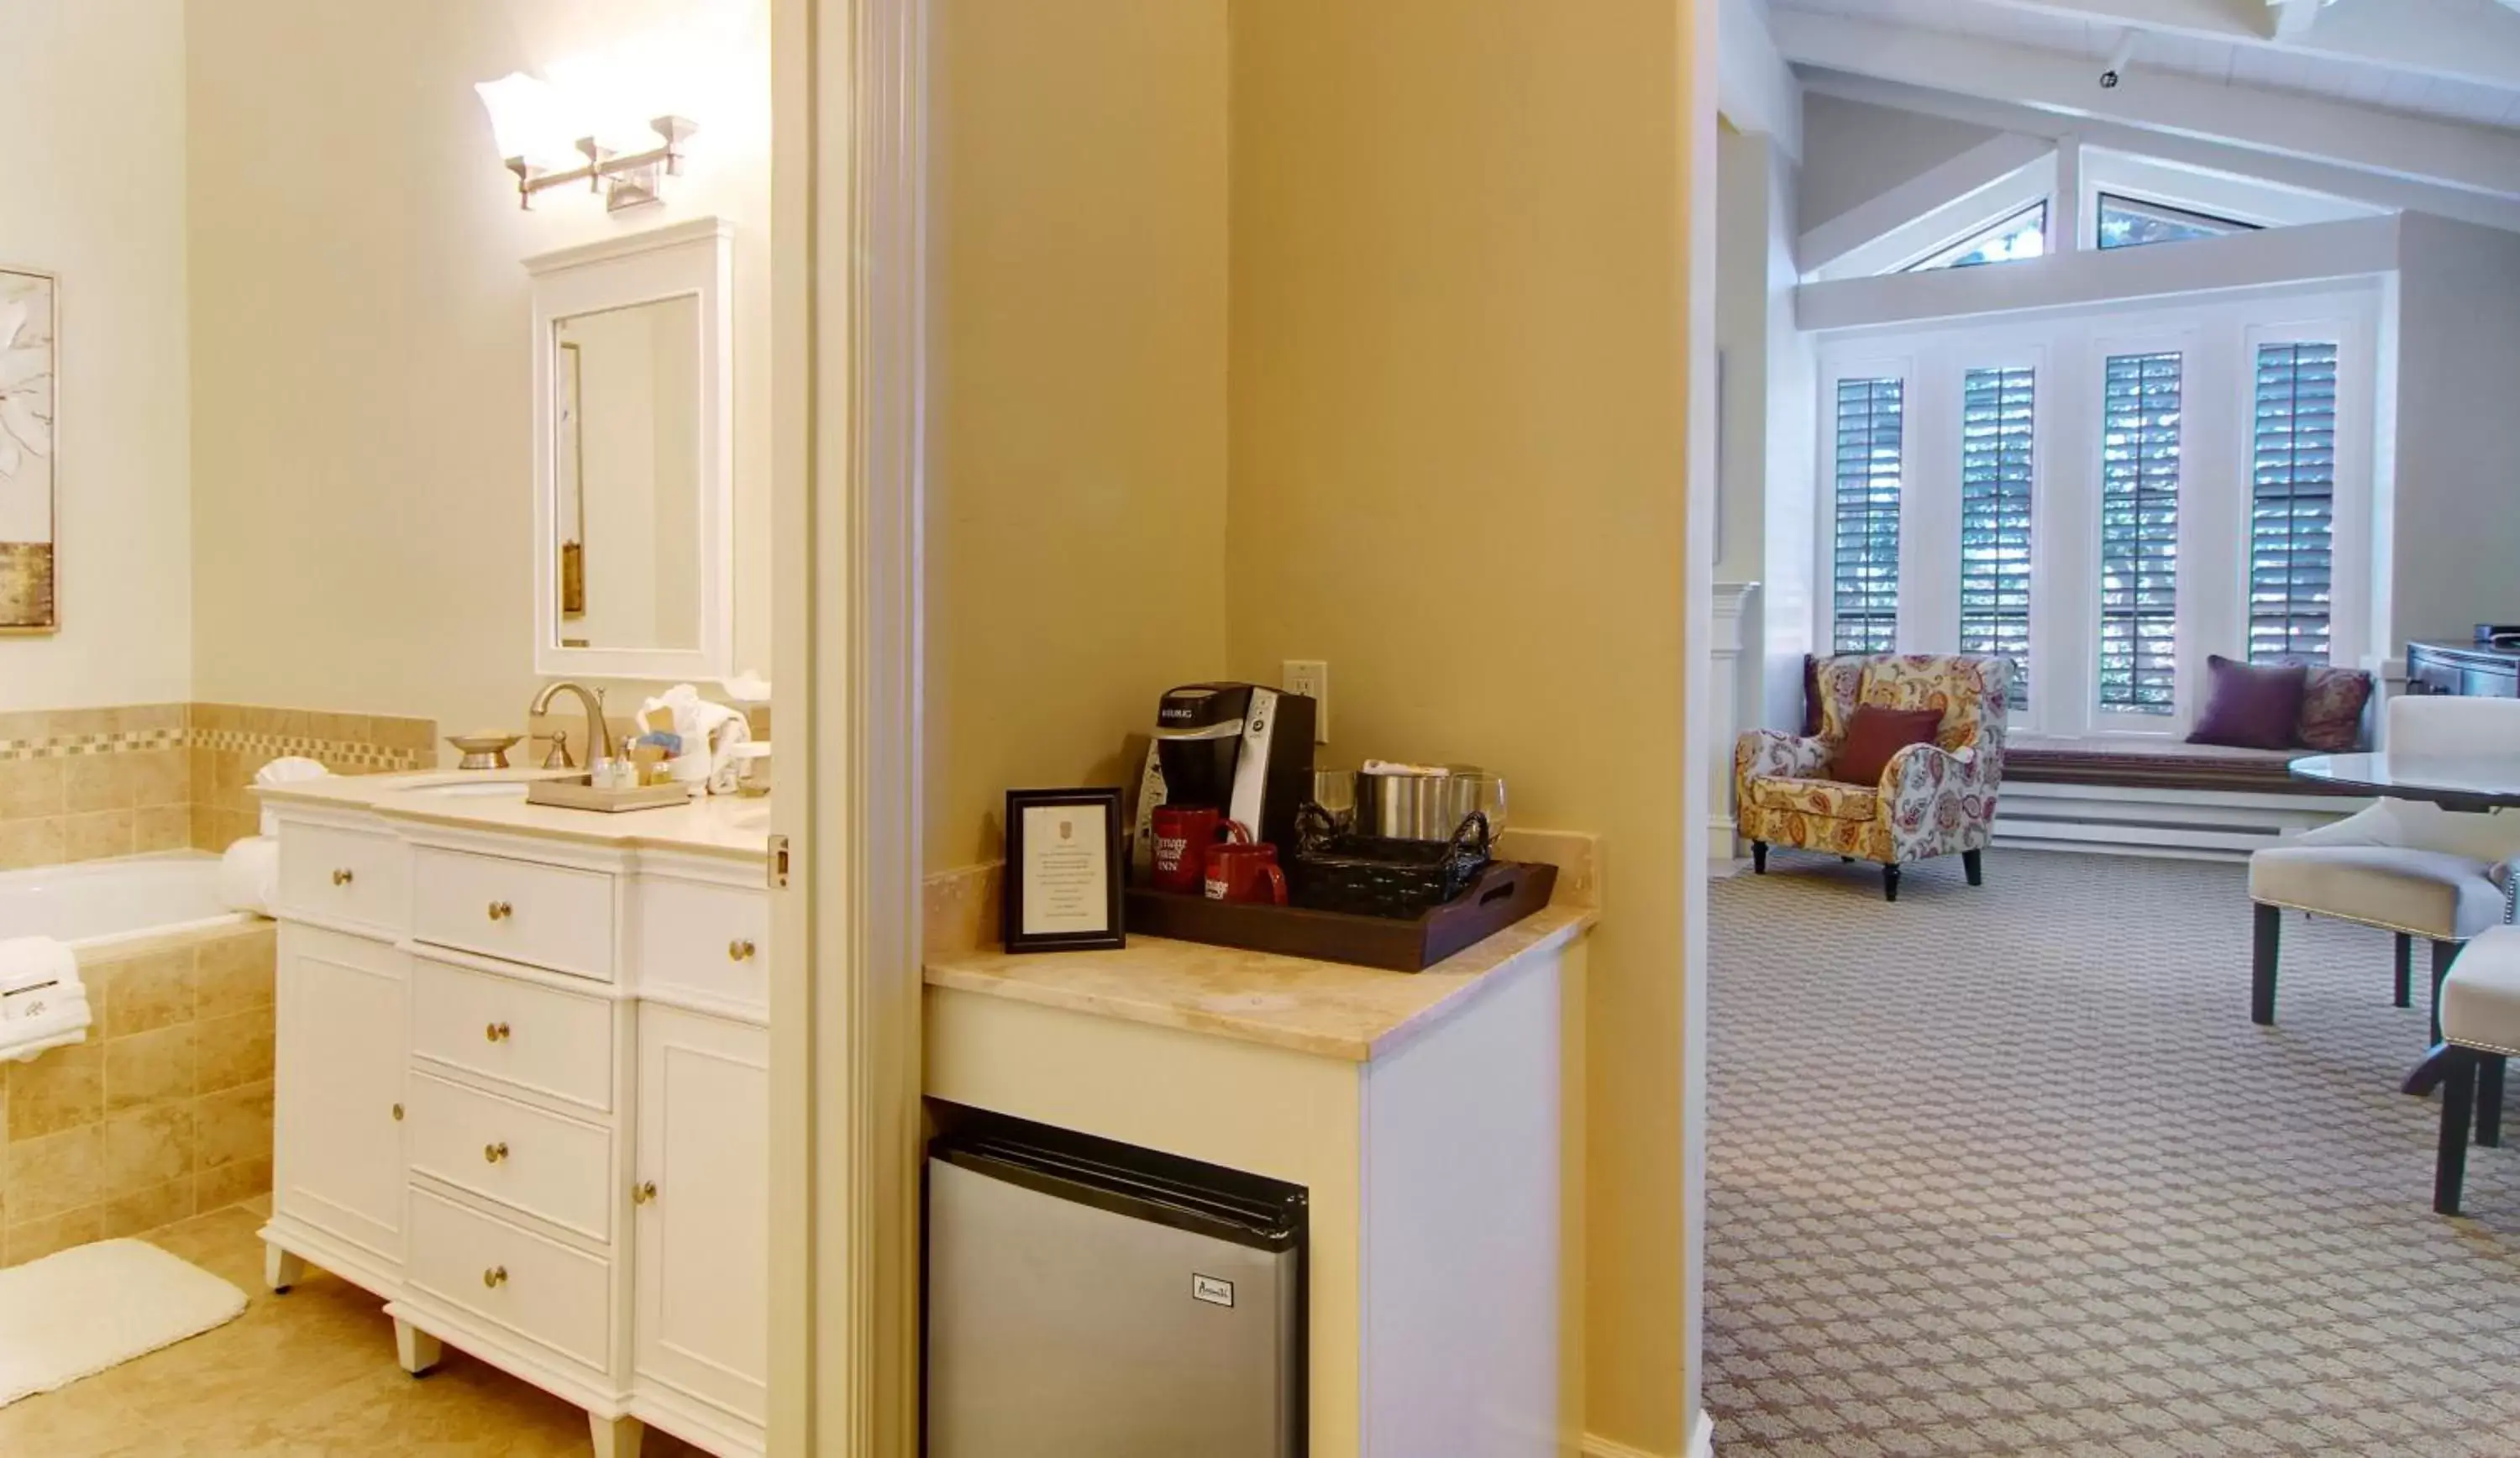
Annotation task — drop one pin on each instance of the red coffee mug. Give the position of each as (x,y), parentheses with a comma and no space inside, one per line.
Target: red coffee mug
(1246,872)
(1183,834)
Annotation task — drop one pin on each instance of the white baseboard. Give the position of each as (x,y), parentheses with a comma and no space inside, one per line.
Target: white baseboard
(1700,1445)
(2113,819)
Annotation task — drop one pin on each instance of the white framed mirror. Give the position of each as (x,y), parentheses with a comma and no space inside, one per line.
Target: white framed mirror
(634,455)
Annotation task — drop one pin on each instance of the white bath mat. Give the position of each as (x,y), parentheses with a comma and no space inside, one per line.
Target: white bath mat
(76,1313)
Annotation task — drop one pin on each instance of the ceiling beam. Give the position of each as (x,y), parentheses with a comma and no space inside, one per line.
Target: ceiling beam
(2300,174)
(2459,39)
(2471,158)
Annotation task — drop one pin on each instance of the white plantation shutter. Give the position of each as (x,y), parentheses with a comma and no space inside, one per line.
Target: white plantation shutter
(1863,571)
(2140,430)
(1995,433)
(2292,525)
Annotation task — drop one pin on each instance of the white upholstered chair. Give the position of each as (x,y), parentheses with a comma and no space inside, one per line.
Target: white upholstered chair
(2407,867)
(2480,1017)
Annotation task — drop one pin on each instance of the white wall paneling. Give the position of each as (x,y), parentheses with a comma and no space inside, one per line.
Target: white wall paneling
(1725,640)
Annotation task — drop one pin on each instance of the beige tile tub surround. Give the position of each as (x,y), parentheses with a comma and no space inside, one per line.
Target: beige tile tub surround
(77,784)
(228,742)
(164,1112)
(85,784)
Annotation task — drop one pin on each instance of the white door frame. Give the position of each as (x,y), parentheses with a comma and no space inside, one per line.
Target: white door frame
(849,163)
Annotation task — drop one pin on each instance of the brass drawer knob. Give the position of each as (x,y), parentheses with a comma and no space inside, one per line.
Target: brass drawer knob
(740,950)
(645,1193)
(501,910)
(496,1032)
(397,1113)
(495,1277)
(493,1153)
(342,876)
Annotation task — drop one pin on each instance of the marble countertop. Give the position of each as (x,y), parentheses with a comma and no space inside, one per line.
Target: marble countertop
(712,825)
(1330,1009)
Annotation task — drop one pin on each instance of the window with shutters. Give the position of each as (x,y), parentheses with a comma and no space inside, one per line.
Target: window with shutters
(2292,503)
(1864,569)
(2139,427)
(1997,407)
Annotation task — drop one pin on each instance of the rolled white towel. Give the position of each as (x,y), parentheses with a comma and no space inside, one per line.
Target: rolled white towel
(288,769)
(249,875)
(43,1005)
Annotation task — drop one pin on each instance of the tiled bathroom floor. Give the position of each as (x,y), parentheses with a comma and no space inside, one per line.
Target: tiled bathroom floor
(306,1375)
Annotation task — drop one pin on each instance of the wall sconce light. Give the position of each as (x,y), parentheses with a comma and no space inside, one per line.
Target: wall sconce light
(553,136)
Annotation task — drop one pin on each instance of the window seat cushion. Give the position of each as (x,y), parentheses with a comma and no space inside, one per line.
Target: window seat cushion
(2158,764)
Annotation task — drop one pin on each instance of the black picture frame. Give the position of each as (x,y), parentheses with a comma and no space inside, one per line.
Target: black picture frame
(1110,934)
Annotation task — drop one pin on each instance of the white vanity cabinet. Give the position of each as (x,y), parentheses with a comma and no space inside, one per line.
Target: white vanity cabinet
(523,1094)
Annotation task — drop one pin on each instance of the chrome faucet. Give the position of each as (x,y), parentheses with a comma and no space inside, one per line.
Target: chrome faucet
(599,734)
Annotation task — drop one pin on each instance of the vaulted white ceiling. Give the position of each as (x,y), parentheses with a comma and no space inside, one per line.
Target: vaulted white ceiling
(2448,59)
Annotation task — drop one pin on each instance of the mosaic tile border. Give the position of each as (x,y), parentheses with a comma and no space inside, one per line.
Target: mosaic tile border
(64,746)
(357,755)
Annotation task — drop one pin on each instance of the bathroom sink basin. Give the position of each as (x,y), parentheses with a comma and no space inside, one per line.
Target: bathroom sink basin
(753,819)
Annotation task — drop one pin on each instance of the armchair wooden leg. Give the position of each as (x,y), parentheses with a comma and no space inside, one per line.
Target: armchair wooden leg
(2444,952)
(2458,1102)
(2488,1100)
(2262,985)
(1973,864)
(2406,970)
(1759,858)
(1890,882)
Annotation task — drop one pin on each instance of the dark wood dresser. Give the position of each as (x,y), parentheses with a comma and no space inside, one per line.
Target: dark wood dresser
(2471,668)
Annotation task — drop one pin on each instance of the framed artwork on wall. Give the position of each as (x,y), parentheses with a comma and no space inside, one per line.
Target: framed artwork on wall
(29,314)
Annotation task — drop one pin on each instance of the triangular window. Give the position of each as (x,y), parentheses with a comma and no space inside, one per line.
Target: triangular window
(2132,223)
(2021,234)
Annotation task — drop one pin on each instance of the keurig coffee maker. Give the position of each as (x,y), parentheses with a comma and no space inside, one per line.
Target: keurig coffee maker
(1241,748)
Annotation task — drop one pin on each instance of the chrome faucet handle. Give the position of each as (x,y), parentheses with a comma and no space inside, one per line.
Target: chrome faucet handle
(559,758)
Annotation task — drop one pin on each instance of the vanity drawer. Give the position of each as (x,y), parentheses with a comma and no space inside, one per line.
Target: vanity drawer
(538,1163)
(711,939)
(552,1042)
(326,874)
(545,915)
(556,1295)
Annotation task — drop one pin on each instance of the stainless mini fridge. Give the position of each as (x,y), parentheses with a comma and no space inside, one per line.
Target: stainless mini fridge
(1093,1300)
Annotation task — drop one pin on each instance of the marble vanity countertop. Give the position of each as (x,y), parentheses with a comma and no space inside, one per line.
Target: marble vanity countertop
(1330,1009)
(725,826)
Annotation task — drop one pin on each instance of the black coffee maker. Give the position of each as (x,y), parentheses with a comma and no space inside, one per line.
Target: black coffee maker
(1245,750)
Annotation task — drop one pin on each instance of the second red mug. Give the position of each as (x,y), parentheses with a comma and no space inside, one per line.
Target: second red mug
(1246,872)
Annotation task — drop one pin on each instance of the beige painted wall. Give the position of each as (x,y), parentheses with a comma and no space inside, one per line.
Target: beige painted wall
(1458,385)
(1076,457)
(91,191)
(362,425)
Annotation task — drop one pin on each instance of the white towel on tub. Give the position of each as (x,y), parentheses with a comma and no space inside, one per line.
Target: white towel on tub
(249,875)
(285,770)
(43,1005)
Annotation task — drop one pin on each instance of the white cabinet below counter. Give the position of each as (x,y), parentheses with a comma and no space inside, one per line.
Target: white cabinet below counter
(523,1095)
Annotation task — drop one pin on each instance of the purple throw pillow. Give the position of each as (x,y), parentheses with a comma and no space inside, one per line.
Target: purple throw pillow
(2251,708)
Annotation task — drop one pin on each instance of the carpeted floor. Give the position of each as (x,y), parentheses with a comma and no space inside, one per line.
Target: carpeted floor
(2008,1171)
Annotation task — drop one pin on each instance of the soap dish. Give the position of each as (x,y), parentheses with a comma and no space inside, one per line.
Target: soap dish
(581,794)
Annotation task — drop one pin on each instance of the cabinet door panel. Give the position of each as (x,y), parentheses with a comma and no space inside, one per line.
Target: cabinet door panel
(700,1244)
(337,1136)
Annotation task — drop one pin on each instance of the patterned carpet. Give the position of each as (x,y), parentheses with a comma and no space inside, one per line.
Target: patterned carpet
(2008,1171)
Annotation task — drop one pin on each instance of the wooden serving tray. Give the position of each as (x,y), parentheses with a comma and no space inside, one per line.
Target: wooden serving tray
(1505,893)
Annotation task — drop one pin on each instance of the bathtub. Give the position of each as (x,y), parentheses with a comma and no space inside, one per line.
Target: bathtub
(95,904)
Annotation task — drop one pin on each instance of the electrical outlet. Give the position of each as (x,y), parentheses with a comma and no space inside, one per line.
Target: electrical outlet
(1311,677)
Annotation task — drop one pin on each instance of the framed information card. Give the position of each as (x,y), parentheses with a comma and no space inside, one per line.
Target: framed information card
(1063,871)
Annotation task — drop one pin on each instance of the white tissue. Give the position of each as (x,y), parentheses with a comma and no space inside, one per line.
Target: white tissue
(43,1005)
(288,769)
(249,875)
(709,733)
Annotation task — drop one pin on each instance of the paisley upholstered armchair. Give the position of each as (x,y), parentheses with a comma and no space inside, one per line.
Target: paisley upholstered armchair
(1931,799)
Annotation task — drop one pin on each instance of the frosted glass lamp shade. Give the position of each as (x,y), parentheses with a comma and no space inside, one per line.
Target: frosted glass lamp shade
(530,120)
